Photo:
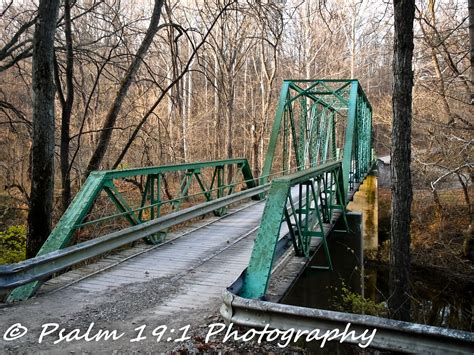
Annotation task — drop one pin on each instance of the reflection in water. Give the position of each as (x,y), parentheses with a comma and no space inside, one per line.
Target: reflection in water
(322,288)
(319,288)
(365,201)
(437,300)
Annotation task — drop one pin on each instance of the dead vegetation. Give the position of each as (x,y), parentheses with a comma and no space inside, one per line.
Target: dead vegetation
(437,240)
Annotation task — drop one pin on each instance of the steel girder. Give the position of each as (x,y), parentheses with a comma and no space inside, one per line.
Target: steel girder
(315,121)
(39,267)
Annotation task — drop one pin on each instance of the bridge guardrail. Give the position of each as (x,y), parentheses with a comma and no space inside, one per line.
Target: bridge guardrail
(38,268)
(78,214)
(321,194)
(390,334)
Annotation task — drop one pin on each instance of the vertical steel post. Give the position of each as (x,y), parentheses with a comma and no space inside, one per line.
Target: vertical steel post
(267,166)
(349,139)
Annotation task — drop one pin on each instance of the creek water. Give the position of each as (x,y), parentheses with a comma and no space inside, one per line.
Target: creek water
(356,286)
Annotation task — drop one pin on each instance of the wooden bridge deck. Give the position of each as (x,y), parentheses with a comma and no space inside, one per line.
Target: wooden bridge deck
(207,255)
(179,282)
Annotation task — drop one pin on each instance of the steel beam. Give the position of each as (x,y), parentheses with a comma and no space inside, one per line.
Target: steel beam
(73,217)
(349,139)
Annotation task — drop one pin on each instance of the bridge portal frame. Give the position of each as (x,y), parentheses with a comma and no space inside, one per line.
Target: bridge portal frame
(316,211)
(305,127)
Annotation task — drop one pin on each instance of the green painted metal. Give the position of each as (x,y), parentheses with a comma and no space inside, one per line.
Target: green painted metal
(275,132)
(61,236)
(349,142)
(40,267)
(120,202)
(304,218)
(151,194)
(315,121)
(322,118)
(151,200)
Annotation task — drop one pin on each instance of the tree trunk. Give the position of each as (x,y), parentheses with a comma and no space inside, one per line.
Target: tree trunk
(66,111)
(114,110)
(42,162)
(471,41)
(230,129)
(217,111)
(439,213)
(353,41)
(399,302)
(189,102)
(468,244)
(442,89)
(255,148)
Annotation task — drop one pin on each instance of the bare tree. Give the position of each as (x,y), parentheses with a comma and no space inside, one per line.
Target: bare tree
(230,45)
(114,111)
(271,31)
(206,89)
(471,42)
(172,84)
(66,104)
(399,301)
(42,163)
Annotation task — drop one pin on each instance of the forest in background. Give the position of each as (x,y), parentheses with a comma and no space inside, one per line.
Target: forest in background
(209,82)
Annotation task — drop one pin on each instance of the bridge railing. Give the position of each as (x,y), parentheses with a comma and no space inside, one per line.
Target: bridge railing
(319,201)
(388,334)
(103,191)
(36,269)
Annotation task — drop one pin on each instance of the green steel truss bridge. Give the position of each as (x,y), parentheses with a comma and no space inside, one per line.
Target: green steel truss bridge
(252,235)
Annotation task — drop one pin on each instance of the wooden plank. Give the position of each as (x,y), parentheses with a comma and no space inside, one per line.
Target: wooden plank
(187,252)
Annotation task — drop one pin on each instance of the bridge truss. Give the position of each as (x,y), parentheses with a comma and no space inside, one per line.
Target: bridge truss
(323,131)
(320,145)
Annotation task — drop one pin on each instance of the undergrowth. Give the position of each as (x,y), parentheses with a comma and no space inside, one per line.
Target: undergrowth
(13,244)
